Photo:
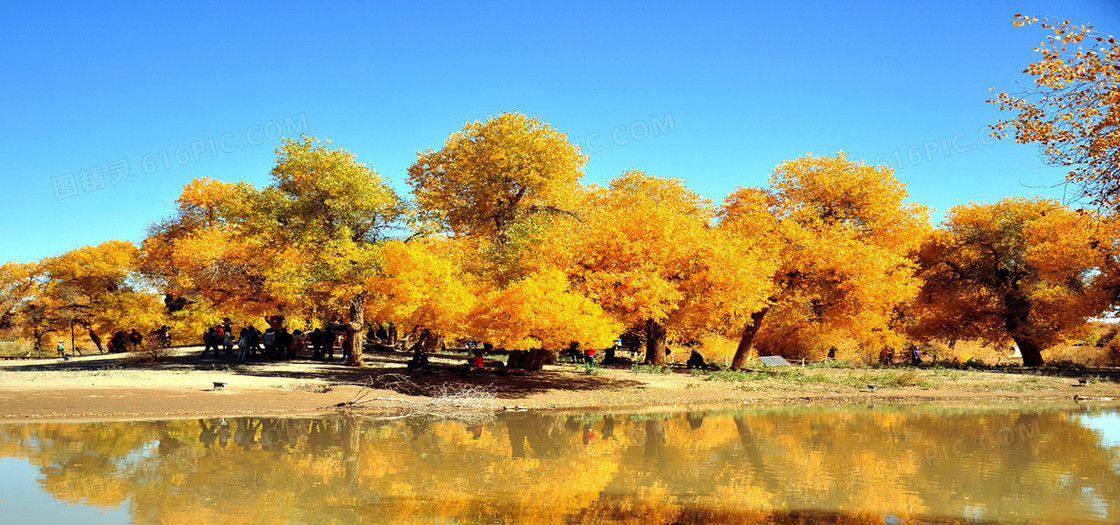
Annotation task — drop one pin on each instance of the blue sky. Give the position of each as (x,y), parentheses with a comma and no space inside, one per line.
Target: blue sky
(111,108)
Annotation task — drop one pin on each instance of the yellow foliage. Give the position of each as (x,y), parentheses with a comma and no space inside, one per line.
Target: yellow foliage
(1029,271)
(541,312)
(643,249)
(841,241)
(493,174)
(421,284)
(1073,110)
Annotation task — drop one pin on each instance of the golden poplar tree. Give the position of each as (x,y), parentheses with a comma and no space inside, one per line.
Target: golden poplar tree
(1029,271)
(842,240)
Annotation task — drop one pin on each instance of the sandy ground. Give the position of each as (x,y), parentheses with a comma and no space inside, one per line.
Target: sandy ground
(114,386)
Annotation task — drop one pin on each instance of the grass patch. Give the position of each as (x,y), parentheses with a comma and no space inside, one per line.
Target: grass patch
(737,375)
(889,379)
(795,377)
(651,369)
(834,364)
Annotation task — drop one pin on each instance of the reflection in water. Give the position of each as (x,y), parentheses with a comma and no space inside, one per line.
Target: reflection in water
(790,464)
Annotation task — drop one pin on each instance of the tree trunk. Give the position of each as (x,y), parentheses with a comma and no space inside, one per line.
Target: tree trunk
(1032,354)
(609,357)
(1017,320)
(354,330)
(39,342)
(277,322)
(96,341)
(747,339)
(351,454)
(655,343)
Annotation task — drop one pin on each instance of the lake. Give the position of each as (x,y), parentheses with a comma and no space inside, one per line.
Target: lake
(938,463)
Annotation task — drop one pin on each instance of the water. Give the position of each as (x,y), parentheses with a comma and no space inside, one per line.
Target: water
(857,464)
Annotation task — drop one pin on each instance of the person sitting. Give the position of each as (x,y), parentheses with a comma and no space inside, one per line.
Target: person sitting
(474,364)
(419,361)
(695,360)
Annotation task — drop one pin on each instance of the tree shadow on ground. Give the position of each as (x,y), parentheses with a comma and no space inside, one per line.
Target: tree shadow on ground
(390,372)
(381,370)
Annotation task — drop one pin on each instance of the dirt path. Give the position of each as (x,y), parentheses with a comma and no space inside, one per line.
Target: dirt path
(111,386)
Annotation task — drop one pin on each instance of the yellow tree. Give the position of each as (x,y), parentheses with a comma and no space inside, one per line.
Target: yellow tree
(95,287)
(207,263)
(1029,271)
(1073,109)
(497,183)
(643,248)
(334,212)
(842,241)
(17,286)
(492,175)
(541,312)
(496,186)
(422,285)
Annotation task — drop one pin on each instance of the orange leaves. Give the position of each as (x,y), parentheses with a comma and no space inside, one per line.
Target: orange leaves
(840,239)
(204,192)
(96,286)
(1073,111)
(541,312)
(1032,271)
(421,284)
(644,248)
(492,174)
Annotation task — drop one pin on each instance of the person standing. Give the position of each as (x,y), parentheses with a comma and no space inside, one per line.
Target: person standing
(317,344)
(242,346)
(210,339)
(62,350)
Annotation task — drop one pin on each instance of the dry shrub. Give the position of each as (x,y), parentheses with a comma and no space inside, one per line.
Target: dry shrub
(16,347)
(149,353)
(966,351)
(461,402)
(1112,353)
(1082,355)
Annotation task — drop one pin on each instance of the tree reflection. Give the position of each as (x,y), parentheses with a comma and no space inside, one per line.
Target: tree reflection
(846,465)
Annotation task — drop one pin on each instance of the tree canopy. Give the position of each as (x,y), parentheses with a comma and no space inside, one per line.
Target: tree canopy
(1072,110)
(1029,271)
(503,244)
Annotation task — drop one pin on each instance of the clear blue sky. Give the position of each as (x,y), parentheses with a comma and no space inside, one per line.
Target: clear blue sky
(109,109)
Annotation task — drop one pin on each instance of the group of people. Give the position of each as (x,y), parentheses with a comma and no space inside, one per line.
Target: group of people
(122,341)
(887,356)
(273,343)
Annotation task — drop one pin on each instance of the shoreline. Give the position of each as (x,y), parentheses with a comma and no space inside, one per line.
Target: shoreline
(108,386)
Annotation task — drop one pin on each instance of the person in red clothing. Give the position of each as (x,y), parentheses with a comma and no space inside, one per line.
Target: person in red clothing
(589,355)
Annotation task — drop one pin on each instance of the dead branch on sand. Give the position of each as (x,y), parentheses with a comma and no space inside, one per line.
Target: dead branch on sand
(459,402)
